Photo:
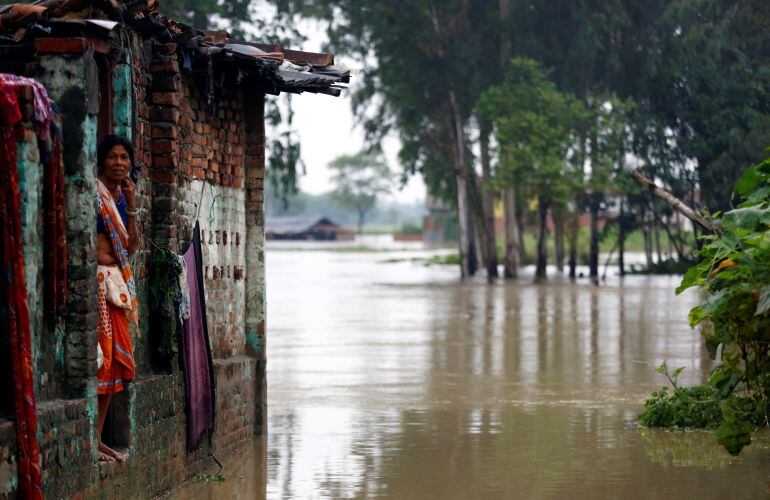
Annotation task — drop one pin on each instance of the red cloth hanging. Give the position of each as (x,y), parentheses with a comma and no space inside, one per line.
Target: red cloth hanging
(54,215)
(54,209)
(13,298)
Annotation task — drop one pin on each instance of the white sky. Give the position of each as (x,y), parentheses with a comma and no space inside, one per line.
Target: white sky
(326,129)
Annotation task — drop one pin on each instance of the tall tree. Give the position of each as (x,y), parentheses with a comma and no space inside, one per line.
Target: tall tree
(431,66)
(705,70)
(534,125)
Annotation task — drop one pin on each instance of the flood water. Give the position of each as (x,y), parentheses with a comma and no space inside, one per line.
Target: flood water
(395,380)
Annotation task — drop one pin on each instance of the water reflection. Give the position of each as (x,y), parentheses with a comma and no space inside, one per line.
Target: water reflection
(395,381)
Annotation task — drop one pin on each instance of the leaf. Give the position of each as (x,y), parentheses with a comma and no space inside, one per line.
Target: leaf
(746,218)
(695,316)
(714,340)
(764,301)
(690,279)
(724,382)
(749,180)
(733,433)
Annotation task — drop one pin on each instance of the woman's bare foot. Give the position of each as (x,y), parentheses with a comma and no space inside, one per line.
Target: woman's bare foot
(103,448)
(103,457)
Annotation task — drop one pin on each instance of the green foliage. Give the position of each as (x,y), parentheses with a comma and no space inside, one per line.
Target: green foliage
(164,295)
(208,478)
(410,228)
(284,159)
(733,417)
(711,80)
(534,125)
(687,83)
(685,407)
(358,181)
(735,314)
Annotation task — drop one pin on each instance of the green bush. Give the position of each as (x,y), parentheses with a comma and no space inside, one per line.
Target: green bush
(410,228)
(734,273)
(682,408)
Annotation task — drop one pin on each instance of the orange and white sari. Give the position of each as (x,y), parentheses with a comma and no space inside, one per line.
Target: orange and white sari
(117,302)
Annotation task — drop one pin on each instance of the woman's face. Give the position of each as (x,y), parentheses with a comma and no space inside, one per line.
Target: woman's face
(116,164)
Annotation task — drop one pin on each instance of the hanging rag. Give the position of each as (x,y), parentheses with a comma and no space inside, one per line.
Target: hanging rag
(183,294)
(167,302)
(13,300)
(54,205)
(196,352)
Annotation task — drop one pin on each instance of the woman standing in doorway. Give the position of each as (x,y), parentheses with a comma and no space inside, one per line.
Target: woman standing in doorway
(117,238)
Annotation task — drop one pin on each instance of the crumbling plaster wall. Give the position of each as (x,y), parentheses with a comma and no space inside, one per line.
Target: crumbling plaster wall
(64,350)
(196,161)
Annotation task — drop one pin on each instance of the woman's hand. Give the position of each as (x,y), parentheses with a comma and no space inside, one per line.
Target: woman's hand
(129,191)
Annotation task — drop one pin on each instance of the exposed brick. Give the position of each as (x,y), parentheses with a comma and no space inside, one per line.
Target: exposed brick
(165,161)
(165,98)
(166,82)
(160,146)
(163,177)
(168,66)
(164,130)
(164,114)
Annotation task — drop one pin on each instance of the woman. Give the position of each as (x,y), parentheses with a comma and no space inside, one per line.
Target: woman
(117,238)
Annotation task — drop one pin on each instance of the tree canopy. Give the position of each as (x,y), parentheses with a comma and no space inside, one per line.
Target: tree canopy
(359,180)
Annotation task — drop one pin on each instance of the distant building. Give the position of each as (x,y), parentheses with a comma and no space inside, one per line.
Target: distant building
(306,227)
(440,225)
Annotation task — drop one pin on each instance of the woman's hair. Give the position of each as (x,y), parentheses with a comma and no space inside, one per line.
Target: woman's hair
(109,142)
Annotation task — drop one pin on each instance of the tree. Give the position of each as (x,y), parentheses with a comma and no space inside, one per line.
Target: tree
(696,71)
(706,72)
(359,180)
(424,87)
(534,125)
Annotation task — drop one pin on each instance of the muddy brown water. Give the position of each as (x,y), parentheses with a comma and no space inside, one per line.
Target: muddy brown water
(394,380)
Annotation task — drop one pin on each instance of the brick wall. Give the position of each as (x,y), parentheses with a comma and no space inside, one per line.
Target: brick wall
(198,159)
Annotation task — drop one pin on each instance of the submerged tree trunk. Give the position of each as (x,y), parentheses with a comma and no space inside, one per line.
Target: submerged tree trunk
(487,233)
(523,258)
(593,259)
(593,256)
(463,237)
(361,218)
(622,238)
(473,254)
(464,223)
(558,238)
(511,234)
(542,238)
(477,226)
(647,239)
(573,236)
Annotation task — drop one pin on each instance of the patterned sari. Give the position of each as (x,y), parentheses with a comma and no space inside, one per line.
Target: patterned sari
(114,332)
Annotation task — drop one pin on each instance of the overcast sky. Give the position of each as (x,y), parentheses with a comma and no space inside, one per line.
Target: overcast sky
(327,129)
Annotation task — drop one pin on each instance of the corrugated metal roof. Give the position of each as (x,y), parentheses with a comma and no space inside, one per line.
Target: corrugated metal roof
(277,69)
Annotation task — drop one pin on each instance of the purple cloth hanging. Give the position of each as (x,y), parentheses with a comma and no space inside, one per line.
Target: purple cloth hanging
(196,351)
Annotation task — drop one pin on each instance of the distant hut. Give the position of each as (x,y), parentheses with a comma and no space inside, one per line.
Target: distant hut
(306,227)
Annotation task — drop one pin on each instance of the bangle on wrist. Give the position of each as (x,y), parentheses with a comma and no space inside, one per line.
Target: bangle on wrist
(132,213)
